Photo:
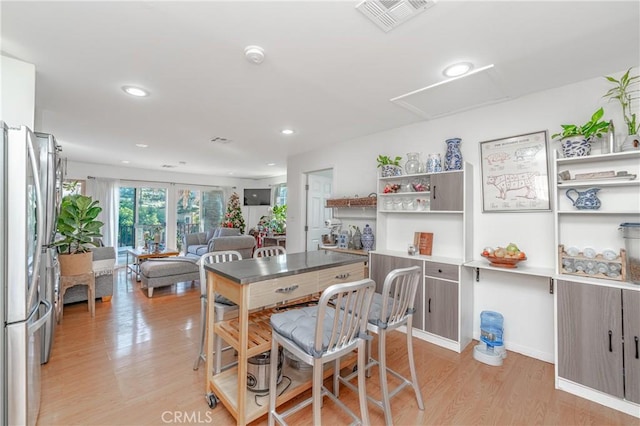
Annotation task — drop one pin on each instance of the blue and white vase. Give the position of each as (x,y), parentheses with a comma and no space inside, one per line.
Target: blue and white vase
(453,157)
(367,238)
(434,163)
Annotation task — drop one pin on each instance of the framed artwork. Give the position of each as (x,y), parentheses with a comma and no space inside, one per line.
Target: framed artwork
(515,173)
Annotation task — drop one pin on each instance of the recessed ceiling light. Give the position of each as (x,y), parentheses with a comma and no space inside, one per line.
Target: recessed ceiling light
(287,131)
(271,164)
(142,145)
(457,70)
(135,91)
(230,173)
(125,161)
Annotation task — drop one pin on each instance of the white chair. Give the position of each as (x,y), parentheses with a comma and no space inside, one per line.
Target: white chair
(391,309)
(320,334)
(269,251)
(225,309)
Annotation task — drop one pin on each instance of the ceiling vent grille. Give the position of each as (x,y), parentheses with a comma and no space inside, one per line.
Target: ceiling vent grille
(388,14)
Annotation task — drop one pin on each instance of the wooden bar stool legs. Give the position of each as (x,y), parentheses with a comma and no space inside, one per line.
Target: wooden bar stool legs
(88,279)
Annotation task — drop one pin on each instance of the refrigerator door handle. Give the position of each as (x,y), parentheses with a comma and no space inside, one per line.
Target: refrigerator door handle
(34,326)
(39,219)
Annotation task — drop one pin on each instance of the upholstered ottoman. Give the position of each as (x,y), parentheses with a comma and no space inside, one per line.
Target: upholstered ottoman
(167,271)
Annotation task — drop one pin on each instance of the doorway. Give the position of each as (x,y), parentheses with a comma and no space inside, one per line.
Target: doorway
(319,187)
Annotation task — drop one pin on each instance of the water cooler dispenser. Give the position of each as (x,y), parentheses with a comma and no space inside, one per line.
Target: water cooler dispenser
(490,350)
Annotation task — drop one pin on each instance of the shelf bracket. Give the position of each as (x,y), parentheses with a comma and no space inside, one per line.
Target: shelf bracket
(477,275)
(550,285)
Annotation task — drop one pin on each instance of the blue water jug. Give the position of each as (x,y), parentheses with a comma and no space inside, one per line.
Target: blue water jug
(491,327)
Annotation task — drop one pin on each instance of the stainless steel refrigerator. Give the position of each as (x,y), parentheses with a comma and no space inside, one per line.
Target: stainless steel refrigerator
(21,239)
(51,175)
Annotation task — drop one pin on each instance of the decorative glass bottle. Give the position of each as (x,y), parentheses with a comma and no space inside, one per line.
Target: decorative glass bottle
(412,166)
(367,238)
(453,157)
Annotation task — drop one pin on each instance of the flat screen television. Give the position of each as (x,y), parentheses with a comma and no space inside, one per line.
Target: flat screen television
(257,197)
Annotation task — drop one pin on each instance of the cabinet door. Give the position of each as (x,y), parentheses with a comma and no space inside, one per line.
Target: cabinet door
(381,265)
(631,319)
(590,336)
(441,308)
(446,191)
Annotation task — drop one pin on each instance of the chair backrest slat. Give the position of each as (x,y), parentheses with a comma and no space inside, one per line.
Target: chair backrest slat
(398,295)
(347,325)
(214,257)
(269,251)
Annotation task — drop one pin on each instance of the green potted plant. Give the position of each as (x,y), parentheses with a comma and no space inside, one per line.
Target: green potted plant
(77,228)
(278,222)
(576,139)
(625,91)
(390,166)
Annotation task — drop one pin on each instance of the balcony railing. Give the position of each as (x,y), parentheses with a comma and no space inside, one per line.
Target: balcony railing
(127,234)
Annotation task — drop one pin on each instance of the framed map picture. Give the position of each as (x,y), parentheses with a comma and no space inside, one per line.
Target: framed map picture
(515,173)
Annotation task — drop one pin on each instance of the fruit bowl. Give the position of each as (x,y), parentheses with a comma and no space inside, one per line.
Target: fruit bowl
(504,262)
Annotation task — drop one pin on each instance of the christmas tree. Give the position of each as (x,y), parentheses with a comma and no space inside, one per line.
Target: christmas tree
(233,218)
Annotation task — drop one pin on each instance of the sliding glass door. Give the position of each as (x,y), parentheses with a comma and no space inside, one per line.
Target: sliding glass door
(197,210)
(143,213)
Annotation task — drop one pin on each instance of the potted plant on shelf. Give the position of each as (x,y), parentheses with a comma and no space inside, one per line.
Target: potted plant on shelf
(625,91)
(77,228)
(576,140)
(390,166)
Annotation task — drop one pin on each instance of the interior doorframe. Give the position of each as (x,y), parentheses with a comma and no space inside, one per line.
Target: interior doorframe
(321,172)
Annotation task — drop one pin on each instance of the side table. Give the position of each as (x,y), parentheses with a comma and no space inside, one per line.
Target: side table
(88,279)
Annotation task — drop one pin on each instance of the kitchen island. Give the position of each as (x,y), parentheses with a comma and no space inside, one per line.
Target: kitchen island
(258,286)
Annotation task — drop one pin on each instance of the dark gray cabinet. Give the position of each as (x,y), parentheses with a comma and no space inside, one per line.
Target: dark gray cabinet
(447,191)
(380,265)
(597,326)
(631,333)
(441,308)
(441,299)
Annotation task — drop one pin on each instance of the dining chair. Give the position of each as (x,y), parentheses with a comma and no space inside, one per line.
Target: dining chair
(320,334)
(391,309)
(225,309)
(269,251)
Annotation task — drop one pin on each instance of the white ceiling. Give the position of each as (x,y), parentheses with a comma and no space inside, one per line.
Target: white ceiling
(329,73)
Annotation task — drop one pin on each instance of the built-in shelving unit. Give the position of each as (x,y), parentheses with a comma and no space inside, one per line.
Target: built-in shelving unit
(597,318)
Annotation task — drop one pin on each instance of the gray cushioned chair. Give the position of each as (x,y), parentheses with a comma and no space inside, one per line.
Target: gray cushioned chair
(218,239)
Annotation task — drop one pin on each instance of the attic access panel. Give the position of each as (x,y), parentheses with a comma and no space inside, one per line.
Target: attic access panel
(454,95)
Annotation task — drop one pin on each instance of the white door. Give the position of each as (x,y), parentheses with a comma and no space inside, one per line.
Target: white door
(319,187)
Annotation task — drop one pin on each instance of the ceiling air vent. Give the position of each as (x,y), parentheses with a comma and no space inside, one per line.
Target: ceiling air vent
(388,14)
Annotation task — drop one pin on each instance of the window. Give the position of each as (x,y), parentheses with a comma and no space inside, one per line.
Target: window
(280,194)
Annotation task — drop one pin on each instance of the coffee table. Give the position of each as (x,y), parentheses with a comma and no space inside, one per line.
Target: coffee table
(140,255)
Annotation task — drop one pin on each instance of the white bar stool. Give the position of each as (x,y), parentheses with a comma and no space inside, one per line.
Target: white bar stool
(225,309)
(320,334)
(391,309)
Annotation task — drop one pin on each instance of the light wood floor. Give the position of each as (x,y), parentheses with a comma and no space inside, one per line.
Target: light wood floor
(132,365)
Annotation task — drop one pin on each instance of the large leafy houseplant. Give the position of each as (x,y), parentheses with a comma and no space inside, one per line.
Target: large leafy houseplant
(77,226)
(278,221)
(625,91)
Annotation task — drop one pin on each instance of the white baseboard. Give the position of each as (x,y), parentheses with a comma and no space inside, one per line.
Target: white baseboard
(525,350)
(626,407)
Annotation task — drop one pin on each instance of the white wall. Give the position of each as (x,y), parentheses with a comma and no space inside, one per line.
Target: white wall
(17,92)
(524,301)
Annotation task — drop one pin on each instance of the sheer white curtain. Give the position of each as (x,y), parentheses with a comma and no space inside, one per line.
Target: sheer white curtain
(107,192)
